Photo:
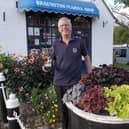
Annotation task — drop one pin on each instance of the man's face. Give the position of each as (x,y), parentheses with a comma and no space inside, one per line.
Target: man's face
(65,27)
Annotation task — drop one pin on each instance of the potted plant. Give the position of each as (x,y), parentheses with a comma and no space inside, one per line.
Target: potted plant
(96,102)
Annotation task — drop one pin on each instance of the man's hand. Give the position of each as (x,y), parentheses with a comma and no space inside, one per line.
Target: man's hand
(88,64)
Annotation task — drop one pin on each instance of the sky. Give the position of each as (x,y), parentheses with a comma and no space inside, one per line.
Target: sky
(110,3)
(120,17)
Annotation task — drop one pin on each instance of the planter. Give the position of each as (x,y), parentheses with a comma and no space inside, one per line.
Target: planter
(106,83)
(78,119)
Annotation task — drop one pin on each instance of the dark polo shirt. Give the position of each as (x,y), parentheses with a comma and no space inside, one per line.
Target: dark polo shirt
(68,61)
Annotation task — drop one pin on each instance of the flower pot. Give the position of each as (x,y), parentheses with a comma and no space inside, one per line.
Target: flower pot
(78,119)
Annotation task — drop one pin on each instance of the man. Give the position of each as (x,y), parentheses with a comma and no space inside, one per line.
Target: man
(67,53)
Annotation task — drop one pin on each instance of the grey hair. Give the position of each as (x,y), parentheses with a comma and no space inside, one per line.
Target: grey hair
(64,19)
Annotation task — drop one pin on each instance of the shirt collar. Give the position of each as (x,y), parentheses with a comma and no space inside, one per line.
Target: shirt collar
(63,42)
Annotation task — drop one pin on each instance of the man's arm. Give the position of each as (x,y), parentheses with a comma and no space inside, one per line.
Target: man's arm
(88,64)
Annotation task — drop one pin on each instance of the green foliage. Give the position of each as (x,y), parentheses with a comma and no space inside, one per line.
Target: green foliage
(35,98)
(122,65)
(50,107)
(25,77)
(121,35)
(120,104)
(4,60)
(125,2)
(45,102)
(25,72)
(0,48)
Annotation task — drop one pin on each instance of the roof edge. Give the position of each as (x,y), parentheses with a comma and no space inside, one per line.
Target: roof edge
(109,10)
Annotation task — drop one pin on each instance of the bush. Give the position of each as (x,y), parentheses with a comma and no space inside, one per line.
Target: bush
(45,102)
(25,72)
(26,78)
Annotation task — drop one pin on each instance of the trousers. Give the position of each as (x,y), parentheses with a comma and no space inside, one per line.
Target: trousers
(63,111)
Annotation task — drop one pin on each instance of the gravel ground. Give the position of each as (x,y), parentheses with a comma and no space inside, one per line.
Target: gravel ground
(29,119)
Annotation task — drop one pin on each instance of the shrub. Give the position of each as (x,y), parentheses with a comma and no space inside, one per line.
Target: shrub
(45,102)
(25,73)
(26,78)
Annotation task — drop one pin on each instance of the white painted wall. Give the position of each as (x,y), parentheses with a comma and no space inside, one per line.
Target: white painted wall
(102,37)
(13,30)
(13,36)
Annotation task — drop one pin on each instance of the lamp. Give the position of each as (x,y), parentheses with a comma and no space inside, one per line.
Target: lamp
(4,16)
(104,23)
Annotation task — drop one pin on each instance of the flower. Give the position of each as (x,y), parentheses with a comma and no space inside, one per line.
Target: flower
(25,77)
(17,70)
(31,61)
(1,65)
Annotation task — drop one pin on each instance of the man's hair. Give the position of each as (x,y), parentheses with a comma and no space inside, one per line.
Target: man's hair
(64,19)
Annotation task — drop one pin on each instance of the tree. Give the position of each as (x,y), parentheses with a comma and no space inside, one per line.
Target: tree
(122,17)
(125,2)
(121,35)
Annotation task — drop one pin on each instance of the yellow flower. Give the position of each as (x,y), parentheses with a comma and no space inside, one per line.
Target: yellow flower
(42,107)
(53,116)
(55,105)
(53,120)
(46,97)
(33,110)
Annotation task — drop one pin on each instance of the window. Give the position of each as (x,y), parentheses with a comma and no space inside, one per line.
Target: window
(123,52)
(42,29)
(118,52)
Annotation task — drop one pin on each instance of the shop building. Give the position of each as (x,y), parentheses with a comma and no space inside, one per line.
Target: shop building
(32,24)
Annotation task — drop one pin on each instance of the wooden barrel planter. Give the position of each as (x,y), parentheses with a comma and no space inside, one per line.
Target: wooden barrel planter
(78,119)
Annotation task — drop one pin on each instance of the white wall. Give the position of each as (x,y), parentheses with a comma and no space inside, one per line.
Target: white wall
(102,37)
(13,30)
(13,36)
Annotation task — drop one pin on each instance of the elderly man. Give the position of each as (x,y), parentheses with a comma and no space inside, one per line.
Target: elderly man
(67,53)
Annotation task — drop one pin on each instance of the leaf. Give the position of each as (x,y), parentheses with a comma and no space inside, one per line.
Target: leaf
(120,106)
